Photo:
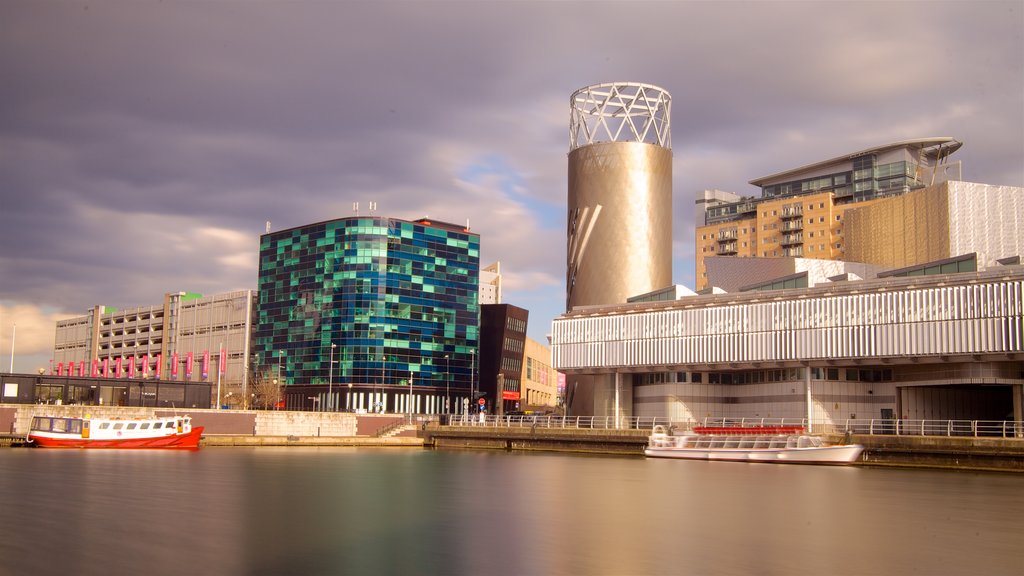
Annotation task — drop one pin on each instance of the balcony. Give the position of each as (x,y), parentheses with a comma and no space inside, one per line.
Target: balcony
(794,252)
(791,239)
(727,249)
(793,225)
(794,211)
(726,235)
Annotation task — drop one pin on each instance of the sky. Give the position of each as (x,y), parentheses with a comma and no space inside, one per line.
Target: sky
(144,145)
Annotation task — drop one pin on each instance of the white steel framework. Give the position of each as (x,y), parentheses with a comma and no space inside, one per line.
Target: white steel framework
(620,112)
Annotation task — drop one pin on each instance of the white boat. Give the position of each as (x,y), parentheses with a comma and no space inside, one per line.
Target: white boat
(785,444)
(88,432)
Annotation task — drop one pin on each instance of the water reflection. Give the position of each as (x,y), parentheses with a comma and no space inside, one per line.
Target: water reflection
(370,511)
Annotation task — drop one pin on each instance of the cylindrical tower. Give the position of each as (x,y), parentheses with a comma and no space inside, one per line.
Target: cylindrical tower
(620,193)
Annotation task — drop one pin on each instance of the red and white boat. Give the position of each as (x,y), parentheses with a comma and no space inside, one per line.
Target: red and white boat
(788,444)
(67,432)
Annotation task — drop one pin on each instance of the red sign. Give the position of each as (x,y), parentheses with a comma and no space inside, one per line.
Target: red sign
(481,401)
(509,395)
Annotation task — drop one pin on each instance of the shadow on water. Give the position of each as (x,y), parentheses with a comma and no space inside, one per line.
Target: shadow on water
(271,511)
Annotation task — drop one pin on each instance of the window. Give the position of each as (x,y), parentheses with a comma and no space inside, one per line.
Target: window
(822,219)
(132,425)
(821,205)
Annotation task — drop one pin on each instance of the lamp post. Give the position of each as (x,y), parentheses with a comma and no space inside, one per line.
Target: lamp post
(348,400)
(447,388)
(280,374)
(330,380)
(472,376)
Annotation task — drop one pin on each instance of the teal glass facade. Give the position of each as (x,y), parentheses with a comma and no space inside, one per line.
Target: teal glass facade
(398,299)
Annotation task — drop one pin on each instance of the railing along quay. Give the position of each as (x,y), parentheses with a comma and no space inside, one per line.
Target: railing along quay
(872,427)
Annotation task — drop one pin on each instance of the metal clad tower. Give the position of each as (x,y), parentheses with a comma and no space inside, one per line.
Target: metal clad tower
(620,193)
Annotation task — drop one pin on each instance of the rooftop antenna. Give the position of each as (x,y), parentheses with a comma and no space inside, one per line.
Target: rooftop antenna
(355,208)
(373,207)
(268,226)
(467,224)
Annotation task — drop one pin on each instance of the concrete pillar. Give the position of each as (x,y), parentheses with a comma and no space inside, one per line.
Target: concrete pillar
(807,392)
(1018,407)
(618,406)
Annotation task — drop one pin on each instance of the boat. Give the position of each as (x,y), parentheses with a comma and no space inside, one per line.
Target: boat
(786,444)
(88,432)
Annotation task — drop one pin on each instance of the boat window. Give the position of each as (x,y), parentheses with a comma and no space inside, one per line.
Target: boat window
(104,425)
(144,426)
(76,426)
(40,423)
(132,425)
(60,425)
(118,425)
(169,425)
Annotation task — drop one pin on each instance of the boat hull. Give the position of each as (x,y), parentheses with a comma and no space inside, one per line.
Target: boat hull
(187,440)
(816,455)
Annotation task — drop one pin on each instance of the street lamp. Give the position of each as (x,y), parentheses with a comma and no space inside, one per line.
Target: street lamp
(330,380)
(472,376)
(447,388)
(348,400)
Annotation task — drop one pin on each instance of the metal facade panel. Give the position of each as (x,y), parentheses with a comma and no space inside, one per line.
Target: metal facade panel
(620,222)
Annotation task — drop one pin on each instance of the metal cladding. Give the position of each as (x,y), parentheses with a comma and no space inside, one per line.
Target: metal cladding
(620,193)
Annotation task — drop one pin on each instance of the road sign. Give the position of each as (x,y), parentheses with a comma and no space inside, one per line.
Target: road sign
(481,401)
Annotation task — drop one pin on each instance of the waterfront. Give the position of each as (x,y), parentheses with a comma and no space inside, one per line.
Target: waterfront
(268,511)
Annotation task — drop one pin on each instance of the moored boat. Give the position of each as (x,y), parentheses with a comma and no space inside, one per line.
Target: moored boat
(787,444)
(88,432)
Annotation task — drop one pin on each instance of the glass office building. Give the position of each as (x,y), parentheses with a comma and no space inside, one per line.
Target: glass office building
(370,313)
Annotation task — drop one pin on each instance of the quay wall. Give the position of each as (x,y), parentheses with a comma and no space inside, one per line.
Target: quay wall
(17,418)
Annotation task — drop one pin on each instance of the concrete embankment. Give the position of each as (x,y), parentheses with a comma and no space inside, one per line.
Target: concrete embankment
(593,441)
(310,441)
(958,453)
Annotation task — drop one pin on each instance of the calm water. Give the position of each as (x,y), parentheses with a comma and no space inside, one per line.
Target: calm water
(236,511)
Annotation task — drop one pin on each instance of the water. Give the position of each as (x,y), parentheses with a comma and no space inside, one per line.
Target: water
(272,511)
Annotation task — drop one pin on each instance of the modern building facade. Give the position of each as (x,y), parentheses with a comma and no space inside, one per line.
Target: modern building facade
(619,222)
(944,346)
(370,313)
(801,212)
(620,193)
(187,338)
(539,379)
(502,345)
(490,284)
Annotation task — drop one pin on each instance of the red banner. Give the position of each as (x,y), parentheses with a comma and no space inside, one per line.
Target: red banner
(188,366)
(174,365)
(81,367)
(117,367)
(106,367)
(60,368)
(223,362)
(145,365)
(159,366)
(95,368)
(509,395)
(206,364)
(131,367)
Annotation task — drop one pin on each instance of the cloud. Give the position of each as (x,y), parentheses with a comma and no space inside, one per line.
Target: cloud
(146,144)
